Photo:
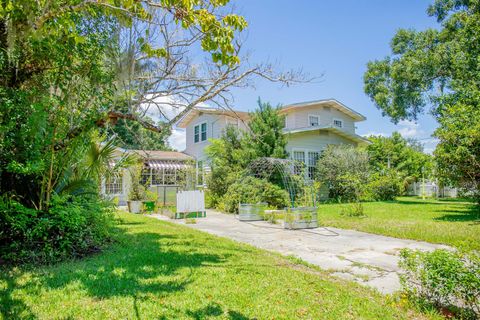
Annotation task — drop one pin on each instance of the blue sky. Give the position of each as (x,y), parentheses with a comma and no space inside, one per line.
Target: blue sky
(333,38)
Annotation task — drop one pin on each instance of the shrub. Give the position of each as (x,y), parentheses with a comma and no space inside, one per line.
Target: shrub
(444,279)
(383,187)
(253,190)
(345,170)
(72,227)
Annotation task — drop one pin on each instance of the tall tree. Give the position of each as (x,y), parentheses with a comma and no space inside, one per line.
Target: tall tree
(265,135)
(402,155)
(68,67)
(437,67)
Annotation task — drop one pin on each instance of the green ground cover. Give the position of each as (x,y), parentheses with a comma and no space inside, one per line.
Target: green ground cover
(159,270)
(453,222)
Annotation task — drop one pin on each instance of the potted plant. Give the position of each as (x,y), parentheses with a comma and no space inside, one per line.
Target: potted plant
(301,218)
(137,191)
(149,203)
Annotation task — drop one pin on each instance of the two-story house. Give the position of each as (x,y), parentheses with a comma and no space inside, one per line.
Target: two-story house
(309,126)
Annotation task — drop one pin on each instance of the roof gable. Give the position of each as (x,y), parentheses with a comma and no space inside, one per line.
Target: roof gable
(198,111)
(333,103)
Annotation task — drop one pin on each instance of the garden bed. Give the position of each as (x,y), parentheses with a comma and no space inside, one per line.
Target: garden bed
(251,212)
(301,218)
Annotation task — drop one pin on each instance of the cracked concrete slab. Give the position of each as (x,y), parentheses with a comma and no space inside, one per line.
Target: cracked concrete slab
(366,258)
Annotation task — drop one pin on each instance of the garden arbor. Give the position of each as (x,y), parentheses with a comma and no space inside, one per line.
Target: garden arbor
(290,175)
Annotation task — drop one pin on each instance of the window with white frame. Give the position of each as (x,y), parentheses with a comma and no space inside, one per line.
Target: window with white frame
(114,185)
(338,123)
(313,157)
(203,131)
(169,176)
(299,157)
(313,121)
(157,177)
(200,132)
(196,133)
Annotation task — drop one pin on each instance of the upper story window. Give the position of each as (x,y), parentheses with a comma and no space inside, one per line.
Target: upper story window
(200,132)
(313,121)
(338,123)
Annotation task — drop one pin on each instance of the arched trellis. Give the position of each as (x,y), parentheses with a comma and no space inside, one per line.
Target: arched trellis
(288,171)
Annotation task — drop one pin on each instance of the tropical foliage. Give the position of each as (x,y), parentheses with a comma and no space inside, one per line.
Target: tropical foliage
(437,67)
(230,156)
(70,69)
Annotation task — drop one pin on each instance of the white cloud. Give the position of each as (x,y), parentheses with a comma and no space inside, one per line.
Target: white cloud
(410,129)
(166,108)
(177,140)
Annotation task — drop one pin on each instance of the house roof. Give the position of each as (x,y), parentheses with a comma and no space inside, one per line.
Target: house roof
(197,111)
(162,155)
(347,135)
(324,102)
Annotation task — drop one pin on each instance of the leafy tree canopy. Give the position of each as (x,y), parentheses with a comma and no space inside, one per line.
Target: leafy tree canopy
(61,72)
(404,156)
(440,68)
(266,137)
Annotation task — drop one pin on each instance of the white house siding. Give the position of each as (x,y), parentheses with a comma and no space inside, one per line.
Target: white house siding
(313,141)
(299,118)
(216,125)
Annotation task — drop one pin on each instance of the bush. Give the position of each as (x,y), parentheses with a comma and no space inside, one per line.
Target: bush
(72,227)
(253,190)
(383,187)
(344,170)
(444,279)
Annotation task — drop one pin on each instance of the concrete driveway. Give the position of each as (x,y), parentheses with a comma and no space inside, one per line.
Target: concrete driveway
(369,259)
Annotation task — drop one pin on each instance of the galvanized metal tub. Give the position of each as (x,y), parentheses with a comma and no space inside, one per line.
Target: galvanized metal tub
(251,211)
(301,218)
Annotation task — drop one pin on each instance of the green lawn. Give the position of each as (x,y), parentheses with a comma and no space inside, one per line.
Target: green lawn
(452,222)
(158,270)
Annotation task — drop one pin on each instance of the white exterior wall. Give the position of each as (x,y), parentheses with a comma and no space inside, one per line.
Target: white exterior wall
(216,125)
(299,118)
(313,141)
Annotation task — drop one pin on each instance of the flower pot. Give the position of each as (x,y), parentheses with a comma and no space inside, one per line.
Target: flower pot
(149,206)
(251,212)
(135,206)
(301,218)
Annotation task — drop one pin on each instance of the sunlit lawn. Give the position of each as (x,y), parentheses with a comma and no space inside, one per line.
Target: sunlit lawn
(159,270)
(452,222)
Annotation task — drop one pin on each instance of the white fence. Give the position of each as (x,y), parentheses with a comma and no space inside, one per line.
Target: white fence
(430,189)
(191,201)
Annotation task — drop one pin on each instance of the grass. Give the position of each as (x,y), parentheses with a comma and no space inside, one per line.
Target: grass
(159,270)
(451,222)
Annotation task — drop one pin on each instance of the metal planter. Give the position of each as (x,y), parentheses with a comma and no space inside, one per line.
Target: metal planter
(301,218)
(251,212)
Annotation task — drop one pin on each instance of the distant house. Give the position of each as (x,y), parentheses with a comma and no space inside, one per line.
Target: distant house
(309,126)
(164,172)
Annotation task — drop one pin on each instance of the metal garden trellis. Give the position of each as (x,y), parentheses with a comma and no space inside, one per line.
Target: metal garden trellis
(266,167)
(291,175)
